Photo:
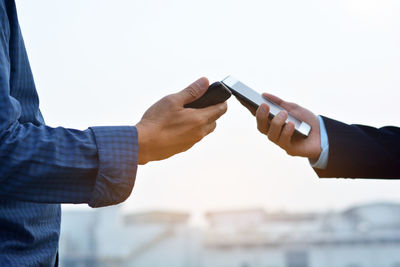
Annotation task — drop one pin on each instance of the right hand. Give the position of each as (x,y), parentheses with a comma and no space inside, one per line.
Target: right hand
(167,128)
(283,134)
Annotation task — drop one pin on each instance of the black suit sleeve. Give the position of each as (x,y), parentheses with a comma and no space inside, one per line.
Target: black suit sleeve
(357,151)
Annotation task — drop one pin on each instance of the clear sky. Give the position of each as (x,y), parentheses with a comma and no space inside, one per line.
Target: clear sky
(99,62)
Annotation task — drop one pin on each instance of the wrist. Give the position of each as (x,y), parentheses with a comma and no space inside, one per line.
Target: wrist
(322,161)
(317,150)
(143,144)
(315,155)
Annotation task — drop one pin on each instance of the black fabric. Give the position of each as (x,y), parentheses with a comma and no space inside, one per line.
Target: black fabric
(358,151)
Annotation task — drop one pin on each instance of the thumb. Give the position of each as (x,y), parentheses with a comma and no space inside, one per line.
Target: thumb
(273,98)
(193,91)
(284,104)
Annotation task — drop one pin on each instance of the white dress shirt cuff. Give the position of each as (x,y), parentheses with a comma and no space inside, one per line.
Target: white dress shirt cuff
(322,161)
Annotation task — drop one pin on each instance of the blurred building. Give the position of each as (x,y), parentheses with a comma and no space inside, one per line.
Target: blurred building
(106,237)
(362,236)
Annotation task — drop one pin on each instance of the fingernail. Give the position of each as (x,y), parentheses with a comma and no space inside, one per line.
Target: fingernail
(202,82)
(281,115)
(263,109)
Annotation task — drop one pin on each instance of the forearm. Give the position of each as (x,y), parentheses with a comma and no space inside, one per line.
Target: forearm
(58,165)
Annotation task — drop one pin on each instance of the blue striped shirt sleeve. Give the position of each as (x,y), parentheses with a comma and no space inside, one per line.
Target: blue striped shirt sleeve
(58,165)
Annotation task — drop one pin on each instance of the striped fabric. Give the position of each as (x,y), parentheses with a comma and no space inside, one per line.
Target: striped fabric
(41,167)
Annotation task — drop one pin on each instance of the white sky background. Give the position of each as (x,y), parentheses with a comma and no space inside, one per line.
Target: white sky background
(100,62)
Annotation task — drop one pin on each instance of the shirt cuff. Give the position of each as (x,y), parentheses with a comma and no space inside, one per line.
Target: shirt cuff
(322,161)
(118,158)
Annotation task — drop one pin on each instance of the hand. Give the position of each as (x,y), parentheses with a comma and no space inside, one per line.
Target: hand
(167,128)
(282,134)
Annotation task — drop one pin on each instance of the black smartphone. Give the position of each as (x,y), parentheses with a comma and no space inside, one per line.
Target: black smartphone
(215,94)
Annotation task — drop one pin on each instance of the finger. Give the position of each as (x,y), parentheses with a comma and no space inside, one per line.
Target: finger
(279,101)
(193,91)
(209,128)
(262,118)
(251,108)
(286,135)
(204,131)
(213,113)
(276,126)
(273,98)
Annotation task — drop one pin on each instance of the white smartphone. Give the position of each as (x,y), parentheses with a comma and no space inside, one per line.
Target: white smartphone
(245,93)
